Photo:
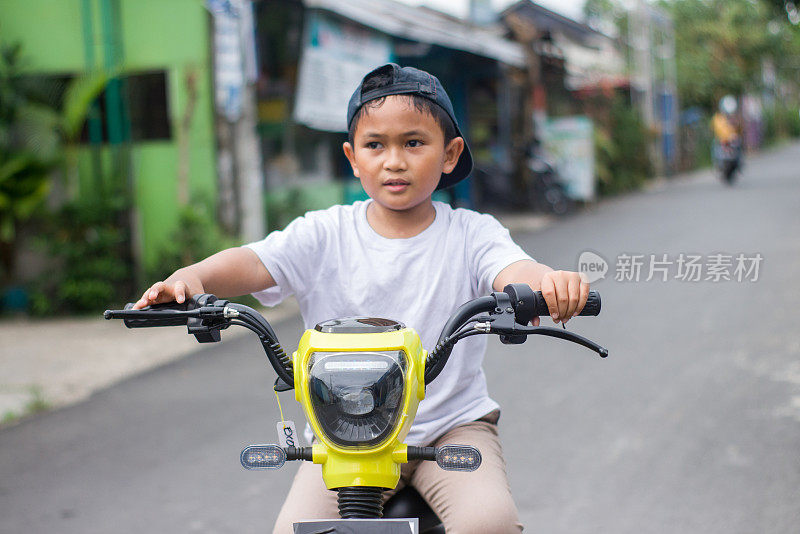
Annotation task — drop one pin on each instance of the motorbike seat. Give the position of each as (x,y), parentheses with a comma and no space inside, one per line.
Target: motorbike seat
(409,503)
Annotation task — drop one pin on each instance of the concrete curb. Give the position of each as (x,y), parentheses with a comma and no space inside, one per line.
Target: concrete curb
(525,222)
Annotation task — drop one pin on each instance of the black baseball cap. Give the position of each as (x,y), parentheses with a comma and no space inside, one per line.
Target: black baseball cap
(407,81)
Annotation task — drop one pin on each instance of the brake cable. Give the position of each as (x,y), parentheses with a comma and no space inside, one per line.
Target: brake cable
(247,317)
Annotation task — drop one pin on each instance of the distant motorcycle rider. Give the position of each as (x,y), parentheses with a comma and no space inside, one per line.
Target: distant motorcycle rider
(725,131)
(727,150)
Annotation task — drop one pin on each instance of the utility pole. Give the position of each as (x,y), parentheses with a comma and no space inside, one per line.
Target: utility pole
(239,161)
(652,39)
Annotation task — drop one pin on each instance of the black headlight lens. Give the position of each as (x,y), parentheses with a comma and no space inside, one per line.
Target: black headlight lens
(357,397)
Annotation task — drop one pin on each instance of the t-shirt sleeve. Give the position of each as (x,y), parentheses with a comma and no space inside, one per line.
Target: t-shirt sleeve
(492,250)
(289,256)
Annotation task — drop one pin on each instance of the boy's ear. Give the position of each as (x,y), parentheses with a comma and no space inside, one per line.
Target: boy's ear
(351,157)
(452,152)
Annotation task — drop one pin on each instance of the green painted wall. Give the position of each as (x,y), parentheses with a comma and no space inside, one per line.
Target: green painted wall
(50,31)
(168,35)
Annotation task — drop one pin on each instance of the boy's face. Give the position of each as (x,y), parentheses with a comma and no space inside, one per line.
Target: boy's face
(399,154)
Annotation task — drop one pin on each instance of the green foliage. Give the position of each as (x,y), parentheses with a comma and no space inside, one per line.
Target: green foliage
(701,155)
(8,417)
(28,151)
(608,16)
(781,121)
(78,99)
(88,244)
(196,237)
(621,149)
(720,46)
(34,130)
(599,9)
(787,9)
(38,403)
(284,206)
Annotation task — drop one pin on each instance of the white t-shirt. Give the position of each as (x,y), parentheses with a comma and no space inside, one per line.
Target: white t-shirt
(337,266)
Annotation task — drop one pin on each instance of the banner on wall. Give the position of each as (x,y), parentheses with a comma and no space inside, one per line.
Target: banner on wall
(335,58)
(234,54)
(569,141)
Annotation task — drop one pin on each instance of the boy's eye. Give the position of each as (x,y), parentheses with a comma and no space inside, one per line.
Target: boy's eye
(414,143)
(373,145)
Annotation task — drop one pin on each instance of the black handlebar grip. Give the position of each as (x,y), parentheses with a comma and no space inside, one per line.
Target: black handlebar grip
(591,308)
(152,316)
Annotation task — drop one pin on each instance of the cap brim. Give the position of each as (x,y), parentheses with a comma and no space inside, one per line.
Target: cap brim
(462,169)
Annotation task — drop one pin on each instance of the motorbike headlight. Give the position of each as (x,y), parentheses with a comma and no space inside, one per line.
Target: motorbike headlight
(357,397)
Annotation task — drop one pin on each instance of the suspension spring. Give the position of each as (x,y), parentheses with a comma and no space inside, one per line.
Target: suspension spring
(363,502)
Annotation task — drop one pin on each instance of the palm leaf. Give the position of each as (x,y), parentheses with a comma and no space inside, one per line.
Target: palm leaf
(37,131)
(14,165)
(78,99)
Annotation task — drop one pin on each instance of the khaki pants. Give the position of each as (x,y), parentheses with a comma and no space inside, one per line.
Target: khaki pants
(477,502)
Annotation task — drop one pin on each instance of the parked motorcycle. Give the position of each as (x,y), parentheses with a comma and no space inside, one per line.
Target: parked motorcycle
(546,191)
(360,381)
(543,189)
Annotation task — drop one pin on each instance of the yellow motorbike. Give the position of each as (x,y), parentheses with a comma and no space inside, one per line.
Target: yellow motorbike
(360,381)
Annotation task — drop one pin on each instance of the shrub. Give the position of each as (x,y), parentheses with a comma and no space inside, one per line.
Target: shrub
(780,122)
(88,245)
(197,236)
(622,143)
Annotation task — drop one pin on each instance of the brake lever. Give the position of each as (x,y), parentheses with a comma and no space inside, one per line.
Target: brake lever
(524,331)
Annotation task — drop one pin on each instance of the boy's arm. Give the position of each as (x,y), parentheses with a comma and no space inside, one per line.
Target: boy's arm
(230,273)
(564,291)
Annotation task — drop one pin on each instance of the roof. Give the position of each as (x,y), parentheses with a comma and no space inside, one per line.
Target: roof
(426,26)
(547,20)
(590,56)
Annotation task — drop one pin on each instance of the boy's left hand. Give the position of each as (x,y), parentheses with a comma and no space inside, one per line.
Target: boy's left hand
(565,293)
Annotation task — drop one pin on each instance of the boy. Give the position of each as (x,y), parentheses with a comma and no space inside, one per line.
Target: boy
(402,256)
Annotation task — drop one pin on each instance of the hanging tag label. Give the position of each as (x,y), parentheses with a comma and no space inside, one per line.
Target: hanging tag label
(287,434)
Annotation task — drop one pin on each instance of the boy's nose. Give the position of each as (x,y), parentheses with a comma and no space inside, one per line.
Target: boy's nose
(394,160)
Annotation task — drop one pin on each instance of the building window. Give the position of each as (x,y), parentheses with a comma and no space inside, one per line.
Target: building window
(145,115)
(147,106)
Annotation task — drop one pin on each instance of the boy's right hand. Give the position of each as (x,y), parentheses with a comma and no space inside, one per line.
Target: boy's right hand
(169,290)
(212,275)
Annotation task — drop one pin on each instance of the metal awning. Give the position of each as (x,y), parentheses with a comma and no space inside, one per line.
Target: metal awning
(426,26)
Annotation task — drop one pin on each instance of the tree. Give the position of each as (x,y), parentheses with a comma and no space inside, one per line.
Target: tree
(608,16)
(721,46)
(785,8)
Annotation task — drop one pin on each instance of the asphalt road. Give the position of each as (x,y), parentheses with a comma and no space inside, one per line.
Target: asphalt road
(692,424)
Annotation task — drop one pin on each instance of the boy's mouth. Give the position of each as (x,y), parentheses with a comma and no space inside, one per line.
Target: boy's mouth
(396,184)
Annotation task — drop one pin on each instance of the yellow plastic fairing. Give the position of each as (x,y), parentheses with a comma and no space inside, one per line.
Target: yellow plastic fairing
(360,465)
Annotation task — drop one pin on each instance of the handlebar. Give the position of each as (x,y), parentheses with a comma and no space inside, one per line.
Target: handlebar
(510,313)
(205,315)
